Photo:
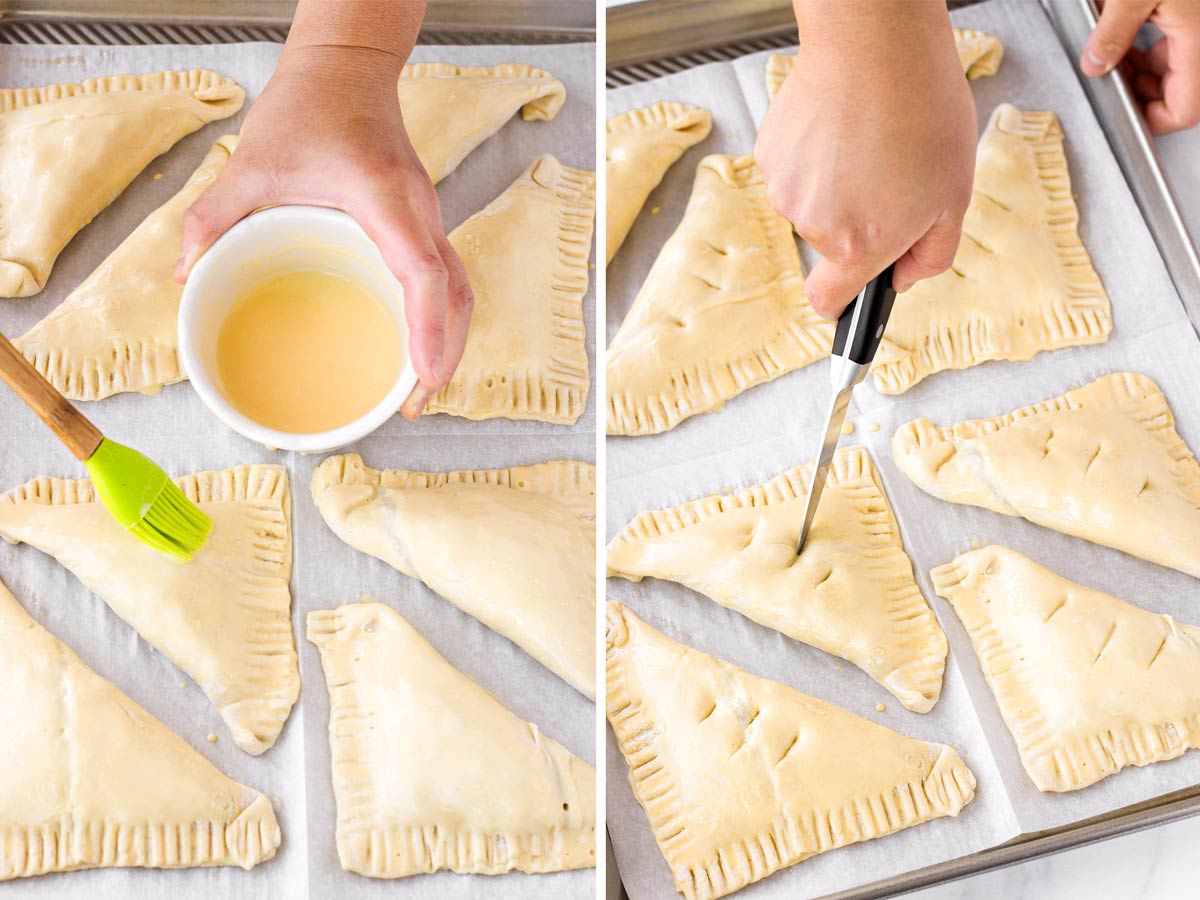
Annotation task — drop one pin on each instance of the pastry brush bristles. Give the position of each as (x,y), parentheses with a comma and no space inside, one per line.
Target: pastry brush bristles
(173,524)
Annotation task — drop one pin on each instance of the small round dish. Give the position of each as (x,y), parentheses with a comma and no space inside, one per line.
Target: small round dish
(267,244)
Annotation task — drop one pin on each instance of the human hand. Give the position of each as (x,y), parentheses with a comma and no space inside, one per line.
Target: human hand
(1166,78)
(869,146)
(324,133)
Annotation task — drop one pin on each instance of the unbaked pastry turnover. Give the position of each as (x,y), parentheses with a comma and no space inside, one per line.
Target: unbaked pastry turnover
(68,150)
(526,256)
(851,592)
(450,110)
(116,332)
(1022,281)
(639,146)
(515,548)
(980,54)
(723,308)
(1086,683)
(92,779)
(430,771)
(224,617)
(1102,462)
(741,776)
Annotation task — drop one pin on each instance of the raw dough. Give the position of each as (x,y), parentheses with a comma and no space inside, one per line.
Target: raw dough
(116,331)
(741,776)
(1087,683)
(430,771)
(639,146)
(979,53)
(851,592)
(224,617)
(450,110)
(68,150)
(92,779)
(526,256)
(1102,462)
(1022,281)
(723,308)
(515,548)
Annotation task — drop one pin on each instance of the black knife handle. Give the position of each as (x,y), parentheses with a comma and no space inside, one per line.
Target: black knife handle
(861,324)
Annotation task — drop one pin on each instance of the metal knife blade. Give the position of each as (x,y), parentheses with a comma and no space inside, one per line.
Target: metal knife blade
(845,375)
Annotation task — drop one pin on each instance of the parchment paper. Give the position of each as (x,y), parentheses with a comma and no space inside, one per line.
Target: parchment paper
(774,426)
(177,431)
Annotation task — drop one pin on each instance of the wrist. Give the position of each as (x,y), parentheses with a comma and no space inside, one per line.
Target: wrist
(863,26)
(341,68)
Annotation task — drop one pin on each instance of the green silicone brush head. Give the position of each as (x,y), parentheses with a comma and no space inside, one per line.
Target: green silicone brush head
(141,497)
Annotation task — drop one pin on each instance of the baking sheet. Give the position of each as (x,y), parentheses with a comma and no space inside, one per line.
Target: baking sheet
(177,431)
(774,426)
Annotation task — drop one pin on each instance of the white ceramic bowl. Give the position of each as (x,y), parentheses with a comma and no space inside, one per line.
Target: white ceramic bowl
(267,244)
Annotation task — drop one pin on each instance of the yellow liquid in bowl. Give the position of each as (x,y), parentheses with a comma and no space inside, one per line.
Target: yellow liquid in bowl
(307,352)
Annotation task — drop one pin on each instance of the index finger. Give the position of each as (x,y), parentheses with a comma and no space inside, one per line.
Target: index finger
(411,254)
(1179,107)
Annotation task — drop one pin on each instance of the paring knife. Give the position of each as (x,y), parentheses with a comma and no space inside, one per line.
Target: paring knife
(859,332)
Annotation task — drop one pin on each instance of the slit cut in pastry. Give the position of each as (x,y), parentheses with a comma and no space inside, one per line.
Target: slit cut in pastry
(639,146)
(1086,683)
(980,54)
(515,548)
(68,150)
(450,110)
(723,308)
(116,332)
(1022,281)
(741,776)
(851,592)
(93,780)
(1102,462)
(526,256)
(430,771)
(224,618)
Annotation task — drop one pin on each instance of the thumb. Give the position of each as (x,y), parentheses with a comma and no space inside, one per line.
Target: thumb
(931,255)
(1113,35)
(230,198)
(831,286)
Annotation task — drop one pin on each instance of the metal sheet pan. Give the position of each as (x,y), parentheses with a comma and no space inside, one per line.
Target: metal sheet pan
(656,37)
(222,21)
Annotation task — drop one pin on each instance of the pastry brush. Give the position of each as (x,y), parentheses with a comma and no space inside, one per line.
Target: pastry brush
(135,491)
(858,335)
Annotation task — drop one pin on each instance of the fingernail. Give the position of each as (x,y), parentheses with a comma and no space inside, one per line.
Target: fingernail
(436,366)
(1095,60)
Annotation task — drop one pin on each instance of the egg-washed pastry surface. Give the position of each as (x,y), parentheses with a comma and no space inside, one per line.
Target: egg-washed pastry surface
(1102,462)
(224,617)
(851,592)
(980,54)
(430,771)
(515,548)
(90,779)
(741,776)
(68,150)
(1021,282)
(722,309)
(526,257)
(450,110)
(639,146)
(1086,683)
(116,332)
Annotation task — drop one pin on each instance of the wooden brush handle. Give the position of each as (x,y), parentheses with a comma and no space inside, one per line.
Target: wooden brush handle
(73,429)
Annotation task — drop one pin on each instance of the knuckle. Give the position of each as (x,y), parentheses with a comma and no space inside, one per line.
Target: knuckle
(847,245)
(428,266)
(462,298)
(1189,118)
